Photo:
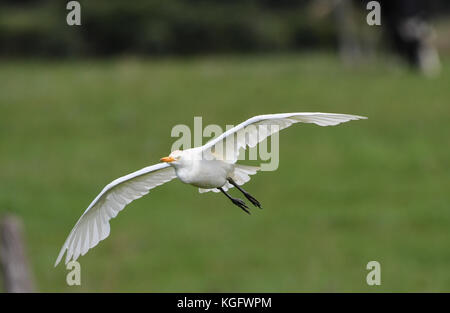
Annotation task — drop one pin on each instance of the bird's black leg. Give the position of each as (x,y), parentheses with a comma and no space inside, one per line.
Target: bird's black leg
(246,194)
(235,201)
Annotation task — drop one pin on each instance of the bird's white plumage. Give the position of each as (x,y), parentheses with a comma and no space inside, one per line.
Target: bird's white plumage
(189,166)
(93,225)
(240,175)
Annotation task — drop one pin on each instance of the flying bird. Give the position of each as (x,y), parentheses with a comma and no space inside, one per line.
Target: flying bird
(211,167)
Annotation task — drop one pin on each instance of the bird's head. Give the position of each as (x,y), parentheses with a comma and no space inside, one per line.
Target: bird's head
(175,158)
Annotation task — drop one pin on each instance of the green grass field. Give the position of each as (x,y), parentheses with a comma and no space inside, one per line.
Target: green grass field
(342,196)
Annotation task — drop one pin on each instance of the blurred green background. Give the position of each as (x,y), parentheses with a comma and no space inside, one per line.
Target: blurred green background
(342,196)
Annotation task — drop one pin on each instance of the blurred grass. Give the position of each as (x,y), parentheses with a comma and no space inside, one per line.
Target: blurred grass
(342,196)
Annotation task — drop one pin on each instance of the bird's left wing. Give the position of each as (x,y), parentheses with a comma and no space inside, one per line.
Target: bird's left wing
(254,130)
(93,225)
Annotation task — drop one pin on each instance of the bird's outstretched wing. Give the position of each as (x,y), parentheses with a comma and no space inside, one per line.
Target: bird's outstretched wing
(254,130)
(93,225)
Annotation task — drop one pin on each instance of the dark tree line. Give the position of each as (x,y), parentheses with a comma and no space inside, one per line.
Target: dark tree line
(38,27)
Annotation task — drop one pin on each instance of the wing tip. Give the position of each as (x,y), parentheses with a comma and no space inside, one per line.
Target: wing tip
(60,255)
(57,261)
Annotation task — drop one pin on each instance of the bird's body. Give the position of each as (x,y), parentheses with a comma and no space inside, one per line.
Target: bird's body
(206,174)
(201,172)
(210,167)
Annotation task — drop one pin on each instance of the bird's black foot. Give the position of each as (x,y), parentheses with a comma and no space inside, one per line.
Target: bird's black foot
(240,204)
(252,200)
(245,193)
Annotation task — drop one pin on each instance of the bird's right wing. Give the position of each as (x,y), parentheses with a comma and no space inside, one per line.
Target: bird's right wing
(254,130)
(93,225)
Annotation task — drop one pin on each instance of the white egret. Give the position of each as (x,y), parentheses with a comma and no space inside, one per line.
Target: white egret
(209,167)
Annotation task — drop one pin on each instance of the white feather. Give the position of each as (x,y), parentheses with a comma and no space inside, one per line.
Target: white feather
(256,129)
(93,225)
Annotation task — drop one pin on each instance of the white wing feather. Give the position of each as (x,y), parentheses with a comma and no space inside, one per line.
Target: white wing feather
(93,225)
(258,128)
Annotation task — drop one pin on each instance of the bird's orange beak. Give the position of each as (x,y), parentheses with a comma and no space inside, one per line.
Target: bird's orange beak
(167,159)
